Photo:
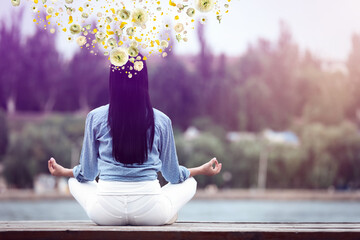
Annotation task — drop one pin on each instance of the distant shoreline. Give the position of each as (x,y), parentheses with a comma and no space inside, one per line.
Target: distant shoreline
(213,194)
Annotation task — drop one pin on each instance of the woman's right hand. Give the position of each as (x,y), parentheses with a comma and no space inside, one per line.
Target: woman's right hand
(210,168)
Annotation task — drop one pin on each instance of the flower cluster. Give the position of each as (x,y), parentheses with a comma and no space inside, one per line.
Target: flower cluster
(122,30)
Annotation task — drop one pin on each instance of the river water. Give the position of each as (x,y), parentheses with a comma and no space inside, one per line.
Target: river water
(201,210)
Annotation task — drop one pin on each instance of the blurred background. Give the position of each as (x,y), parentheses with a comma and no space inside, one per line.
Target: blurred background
(273,92)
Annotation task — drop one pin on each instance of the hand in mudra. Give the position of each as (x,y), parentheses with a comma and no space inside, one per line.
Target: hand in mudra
(57,170)
(211,168)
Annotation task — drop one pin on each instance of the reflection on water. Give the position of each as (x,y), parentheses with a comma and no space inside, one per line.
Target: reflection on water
(201,210)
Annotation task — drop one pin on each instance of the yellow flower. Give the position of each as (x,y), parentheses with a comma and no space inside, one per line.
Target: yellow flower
(111,42)
(139,16)
(179,27)
(204,5)
(122,25)
(75,29)
(119,57)
(124,14)
(81,41)
(172,3)
(15,3)
(138,66)
(133,51)
(190,12)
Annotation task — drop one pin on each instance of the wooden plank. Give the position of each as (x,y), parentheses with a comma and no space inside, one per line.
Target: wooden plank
(180,230)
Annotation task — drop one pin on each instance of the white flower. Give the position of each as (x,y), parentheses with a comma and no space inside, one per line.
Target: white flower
(226,5)
(185,39)
(87,5)
(203,20)
(164,44)
(99,14)
(81,41)
(164,54)
(130,31)
(134,44)
(133,51)
(75,29)
(138,58)
(50,10)
(99,26)
(190,12)
(69,1)
(34,8)
(52,30)
(130,75)
(111,42)
(119,57)
(138,66)
(44,1)
(118,32)
(100,36)
(84,15)
(109,19)
(139,16)
(179,27)
(124,14)
(87,26)
(158,8)
(70,38)
(204,5)
(218,17)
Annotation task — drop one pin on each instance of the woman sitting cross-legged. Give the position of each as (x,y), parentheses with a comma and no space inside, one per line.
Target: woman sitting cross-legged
(126,143)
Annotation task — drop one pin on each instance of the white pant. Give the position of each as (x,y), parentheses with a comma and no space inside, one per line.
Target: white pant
(118,208)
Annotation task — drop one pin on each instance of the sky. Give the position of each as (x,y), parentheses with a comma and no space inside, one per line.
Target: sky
(324,27)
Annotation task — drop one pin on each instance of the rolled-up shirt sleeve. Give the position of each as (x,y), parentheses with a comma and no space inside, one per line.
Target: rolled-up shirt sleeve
(87,170)
(171,170)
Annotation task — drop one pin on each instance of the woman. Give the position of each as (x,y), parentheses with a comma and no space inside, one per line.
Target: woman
(126,143)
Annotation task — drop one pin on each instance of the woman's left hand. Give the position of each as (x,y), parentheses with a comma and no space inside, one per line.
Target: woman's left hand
(57,170)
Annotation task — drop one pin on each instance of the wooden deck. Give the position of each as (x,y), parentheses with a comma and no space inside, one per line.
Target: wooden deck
(181,230)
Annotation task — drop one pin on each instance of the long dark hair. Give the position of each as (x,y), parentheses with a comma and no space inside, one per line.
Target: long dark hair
(131,117)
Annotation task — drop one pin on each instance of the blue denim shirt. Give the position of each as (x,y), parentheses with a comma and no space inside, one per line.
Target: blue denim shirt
(96,154)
